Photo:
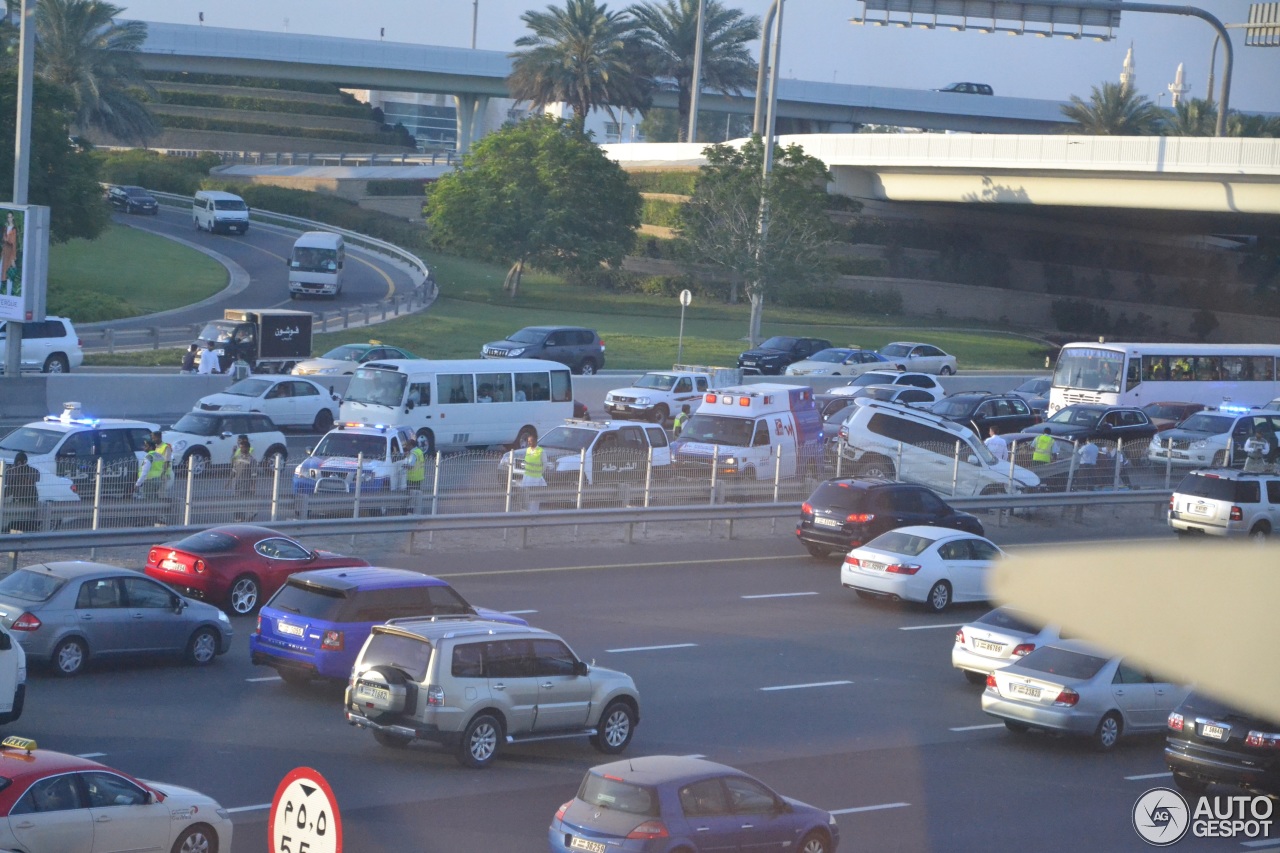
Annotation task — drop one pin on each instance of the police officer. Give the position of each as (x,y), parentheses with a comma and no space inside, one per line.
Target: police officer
(534,469)
(416,465)
(680,420)
(165,450)
(150,473)
(1042,448)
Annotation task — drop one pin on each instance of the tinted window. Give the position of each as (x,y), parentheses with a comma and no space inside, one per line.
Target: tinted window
(468,660)
(1273,491)
(206,542)
(108,789)
(704,798)
(508,659)
(616,795)
(1217,489)
(99,594)
(1055,661)
(379,605)
(147,593)
(282,549)
(552,657)
(839,495)
(323,605)
(657,436)
(952,408)
(746,796)
(30,585)
(1213,424)
(1009,620)
(444,600)
(54,794)
(408,654)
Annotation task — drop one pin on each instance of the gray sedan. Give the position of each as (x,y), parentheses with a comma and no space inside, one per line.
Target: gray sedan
(65,613)
(1070,687)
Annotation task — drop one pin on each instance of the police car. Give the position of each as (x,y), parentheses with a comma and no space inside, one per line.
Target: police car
(1215,438)
(369,453)
(66,449)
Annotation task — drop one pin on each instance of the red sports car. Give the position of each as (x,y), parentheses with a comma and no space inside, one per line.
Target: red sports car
(237,566)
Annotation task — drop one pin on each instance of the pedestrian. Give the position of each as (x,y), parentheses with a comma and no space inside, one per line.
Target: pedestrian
(997,445)
(209,361)
(1042,448)
(20,480)
(189,359)
(1088,476)
(680,420)
(241,482)
(166,451)
(415,470)
(150,473)
(534,469)
(1256,451)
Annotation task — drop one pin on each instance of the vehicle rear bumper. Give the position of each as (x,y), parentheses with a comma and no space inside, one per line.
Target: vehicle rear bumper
(1039,717)
(1199,524)
(405,728)
(1206,764)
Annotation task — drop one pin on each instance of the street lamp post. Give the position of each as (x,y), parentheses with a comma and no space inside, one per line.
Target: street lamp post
(475,19)
(22,159)
(696,88)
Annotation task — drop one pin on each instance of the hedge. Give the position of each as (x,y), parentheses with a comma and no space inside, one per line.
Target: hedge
(398,136)
(315,88)
(674,183)
(655,211)
(182,175)
(263,105)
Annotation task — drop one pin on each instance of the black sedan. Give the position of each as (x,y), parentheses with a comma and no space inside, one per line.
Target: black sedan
(843,514)
(133,200)
(980,412)
(1104,423)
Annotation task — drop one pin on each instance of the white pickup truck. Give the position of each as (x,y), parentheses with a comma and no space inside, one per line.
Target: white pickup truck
(659,394)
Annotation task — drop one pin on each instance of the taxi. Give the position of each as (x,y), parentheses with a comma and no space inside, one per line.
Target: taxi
(51,801)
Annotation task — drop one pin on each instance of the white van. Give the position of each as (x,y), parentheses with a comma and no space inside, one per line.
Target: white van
(464,403)
(316,263)
(214,211)
(746,431)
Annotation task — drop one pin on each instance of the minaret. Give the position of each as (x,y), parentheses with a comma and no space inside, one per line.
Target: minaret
(1128,74)
(1178,88)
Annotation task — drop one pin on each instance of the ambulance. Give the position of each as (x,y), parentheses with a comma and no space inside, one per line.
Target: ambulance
(747,431)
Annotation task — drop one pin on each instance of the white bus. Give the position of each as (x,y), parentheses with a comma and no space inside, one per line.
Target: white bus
(465,403)
(315,265)
(1138,374)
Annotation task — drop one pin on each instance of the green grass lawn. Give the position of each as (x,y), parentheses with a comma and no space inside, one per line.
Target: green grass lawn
(127,272)
(638,331)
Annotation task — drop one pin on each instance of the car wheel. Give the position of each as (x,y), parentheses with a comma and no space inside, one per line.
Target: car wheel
(522,438)
(70,657)
(1108,732)
(661,413)
(946,370)
(819,551)
(56,363)
(814,842)
(1260,532)
(881,468)
(391,741)
(275,458)
(479,746)
(1189,786)
(431,441)
(196,461)
(587,368)
(974,677)
(244,595)
(617,725)
(939,597)
(196,839)
(1017,728)
(323,421)
(203,647)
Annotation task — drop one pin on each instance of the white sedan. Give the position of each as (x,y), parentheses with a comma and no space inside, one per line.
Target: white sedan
(925,358)
(931,565)
(287,400)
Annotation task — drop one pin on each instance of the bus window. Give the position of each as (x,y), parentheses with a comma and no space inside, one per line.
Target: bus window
(1155,367)
(420,394)
(1208,369)
(532,386)
(456,387)
(1134,376)
(561,389)
(497,386)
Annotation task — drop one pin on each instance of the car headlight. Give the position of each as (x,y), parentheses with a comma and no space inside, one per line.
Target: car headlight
(730,461)
(327,371)
(643,401)
(178,446)
(1156,443)
(512,353)
(1201,444)
(297,472)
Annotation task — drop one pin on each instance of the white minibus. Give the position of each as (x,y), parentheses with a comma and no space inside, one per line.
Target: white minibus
(315,264)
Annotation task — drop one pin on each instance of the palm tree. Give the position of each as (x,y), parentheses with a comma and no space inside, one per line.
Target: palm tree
(668,31)
(81,48)
(582,55)
(1242,124)
(1194,117)
(1115,110)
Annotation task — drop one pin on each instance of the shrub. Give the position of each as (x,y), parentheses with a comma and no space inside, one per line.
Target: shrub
(861,266)
(154,171)
(1203,322)
(660,212)
(673,183)
(87,306)
(839,297)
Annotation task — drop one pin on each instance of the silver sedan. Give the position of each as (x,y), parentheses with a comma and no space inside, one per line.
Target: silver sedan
(997,639)
(1070,687)
(65,613)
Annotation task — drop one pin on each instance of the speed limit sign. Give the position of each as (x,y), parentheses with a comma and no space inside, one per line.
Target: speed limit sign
(304,815)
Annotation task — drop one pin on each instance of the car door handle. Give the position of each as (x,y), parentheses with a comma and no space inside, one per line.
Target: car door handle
(1119,692)
(138,616)
(748,826)
(499,686)
(88,617)
(697,829)
(102,819)
(547,685)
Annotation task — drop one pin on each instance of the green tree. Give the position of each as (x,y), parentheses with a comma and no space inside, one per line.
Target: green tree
(1115,110)
(62,175)
(1193,117)
(721,222)
(582,55)
(1242,124)
(668,32)
(83,49)
(536,193)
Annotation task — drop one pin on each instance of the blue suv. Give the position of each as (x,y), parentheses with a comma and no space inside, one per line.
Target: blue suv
(315,625)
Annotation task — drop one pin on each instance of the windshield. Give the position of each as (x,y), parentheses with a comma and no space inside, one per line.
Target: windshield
(27,585)
(1034,386)
(875,378)
(376,387)
(609,792)
(778,343)
(230,204)
(1007,619)
(197,423)
(217,333)
(896,542)
(1211,424)
(568,438)
(250,387)
(718,429)
(351,445)
(528,336)
(659,381)
(1060,662)
(831,356)
(309,259)
(1089,369)
(952,408)
(1073,416)
(31,440)
(206,542)
(410,655)
(895,350)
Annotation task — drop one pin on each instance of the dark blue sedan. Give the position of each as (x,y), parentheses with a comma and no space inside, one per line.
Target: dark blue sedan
(665,803)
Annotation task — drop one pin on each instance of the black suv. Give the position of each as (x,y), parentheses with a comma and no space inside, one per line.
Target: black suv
(980,411)
(1088,420)
(844,514)
(1211,742)
(581,350)
(133,200)
(778,353)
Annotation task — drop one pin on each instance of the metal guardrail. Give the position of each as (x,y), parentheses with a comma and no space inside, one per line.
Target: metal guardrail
(294,158)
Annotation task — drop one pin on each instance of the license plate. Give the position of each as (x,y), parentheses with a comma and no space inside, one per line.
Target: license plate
(827,522)
(172,566)
(371,691)
(1200,509)
(874,567)
(577,843)
(985,646)
(1025,690)
(1213,732)
(291,630)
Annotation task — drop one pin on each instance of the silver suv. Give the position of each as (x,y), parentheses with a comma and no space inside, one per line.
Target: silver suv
(472,686)
(1226,502)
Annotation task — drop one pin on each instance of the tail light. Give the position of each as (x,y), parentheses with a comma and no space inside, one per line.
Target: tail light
(1175,721)
(153,556)
(960,636)
(806,508)
(1067,697)
(1237,514)
(79,343)
(1170,503)
(560,811)
(902,568)
(602,345)
(26,622)
(435,695)
(852,561)
(860,517)
(991,681)
(649,829)
(1263,740)
(258,629)
(331,641)
(199,566)
(1023,649)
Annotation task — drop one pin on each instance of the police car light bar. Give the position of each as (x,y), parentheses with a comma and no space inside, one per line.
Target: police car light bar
(69,416)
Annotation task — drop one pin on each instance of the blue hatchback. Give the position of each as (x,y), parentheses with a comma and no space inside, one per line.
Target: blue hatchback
(662,803)
(317,622)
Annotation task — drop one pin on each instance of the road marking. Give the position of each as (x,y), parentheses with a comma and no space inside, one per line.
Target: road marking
(265,678)
(653,648)
(1260,843)
(1148,776)
(870,808)
(250,808)
(801,686)
(518,612)
(706,562)
(780,595)
(91,755)
(391,285)
(976,728)
(927,627)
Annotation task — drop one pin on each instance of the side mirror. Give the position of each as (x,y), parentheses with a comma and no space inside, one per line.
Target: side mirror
(179,605)
(310,450)
(226,434)
(6,642)
(408,406)
(315,555)
(581,668)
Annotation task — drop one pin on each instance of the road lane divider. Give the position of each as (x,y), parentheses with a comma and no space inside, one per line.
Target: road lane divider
(927,627)
(803,686)
(779,595)
(977,728)
(876,808)
(652,648)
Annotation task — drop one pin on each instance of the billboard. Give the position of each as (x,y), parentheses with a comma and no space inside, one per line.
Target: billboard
(24,261)
(1061,19)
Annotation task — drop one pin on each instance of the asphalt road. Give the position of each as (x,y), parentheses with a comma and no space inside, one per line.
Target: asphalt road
(747,652)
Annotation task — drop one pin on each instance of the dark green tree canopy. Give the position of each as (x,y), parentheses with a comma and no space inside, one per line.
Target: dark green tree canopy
(536,193)
(1116,110)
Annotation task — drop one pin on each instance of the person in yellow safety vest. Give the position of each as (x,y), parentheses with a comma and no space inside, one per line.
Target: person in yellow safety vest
(534,469)
(1042,448)
(150,473)
(680,420)
(166,450)
(416,466)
